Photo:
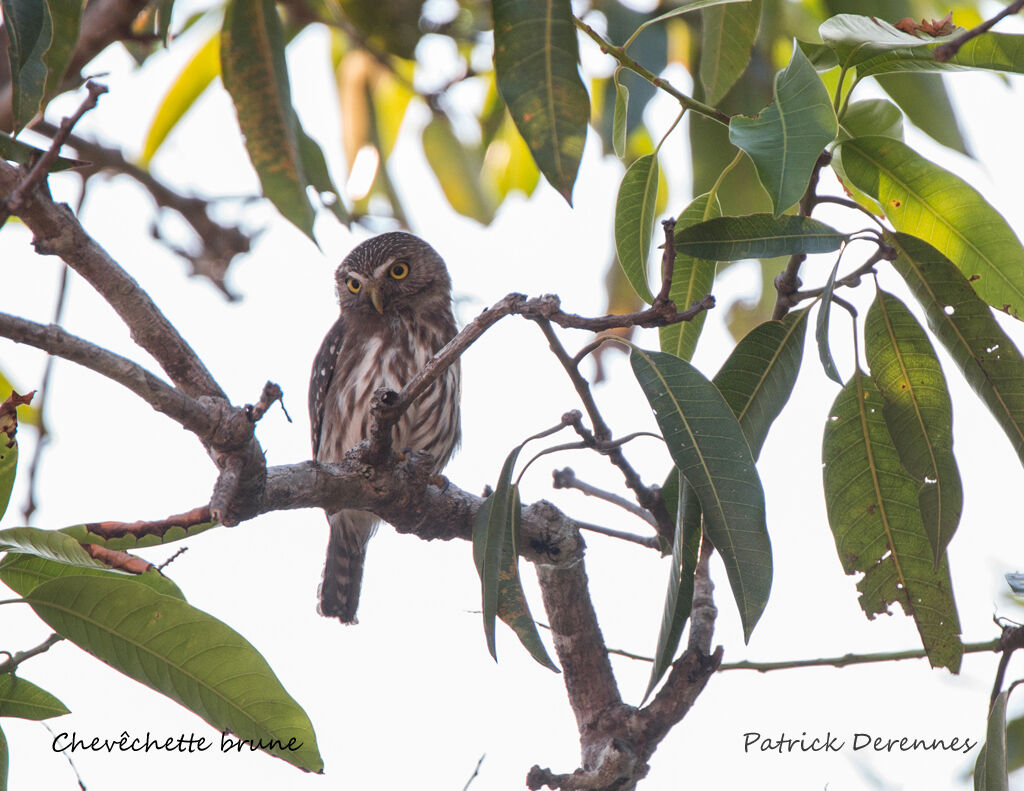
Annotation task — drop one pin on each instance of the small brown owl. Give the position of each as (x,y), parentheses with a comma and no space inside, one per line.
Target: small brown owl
(395,297)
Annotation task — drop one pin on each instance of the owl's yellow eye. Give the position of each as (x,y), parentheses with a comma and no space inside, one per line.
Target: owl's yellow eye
(399,270)
(353,285)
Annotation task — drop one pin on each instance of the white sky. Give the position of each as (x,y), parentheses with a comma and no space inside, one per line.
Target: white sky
(410,697)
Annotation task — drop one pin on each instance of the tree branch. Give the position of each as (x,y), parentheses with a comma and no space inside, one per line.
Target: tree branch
(946,51)
(11,664)
(566,479)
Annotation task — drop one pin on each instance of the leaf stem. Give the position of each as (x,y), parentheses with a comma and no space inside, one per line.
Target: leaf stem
(619,53)
(713,192)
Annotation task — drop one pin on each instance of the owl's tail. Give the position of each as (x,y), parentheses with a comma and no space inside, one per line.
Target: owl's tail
(343,571)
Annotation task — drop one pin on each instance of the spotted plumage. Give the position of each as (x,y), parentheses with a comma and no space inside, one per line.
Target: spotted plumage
(395,298)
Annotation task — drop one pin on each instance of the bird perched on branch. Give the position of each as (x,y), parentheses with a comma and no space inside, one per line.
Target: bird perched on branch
(395,297)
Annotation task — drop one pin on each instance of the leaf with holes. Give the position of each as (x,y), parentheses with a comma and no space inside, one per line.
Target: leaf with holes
(23,699)
(872,508)
(709,449)
(786,139)
(634,221)
(927,201)
(536,58)
(986,356)
(917,411)
(255,74)
(183,653)
(692,279)
(757,236)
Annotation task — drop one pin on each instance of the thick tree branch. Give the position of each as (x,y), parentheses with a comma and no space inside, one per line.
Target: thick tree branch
(58,232)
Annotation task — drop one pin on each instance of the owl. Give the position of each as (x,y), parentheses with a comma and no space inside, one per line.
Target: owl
(395,298)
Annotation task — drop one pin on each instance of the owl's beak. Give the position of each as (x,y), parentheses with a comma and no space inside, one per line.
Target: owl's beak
(375,297)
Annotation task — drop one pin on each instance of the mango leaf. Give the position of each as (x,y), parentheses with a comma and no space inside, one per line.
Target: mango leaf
(512,606)
(187,87)
(634,221)
(856,39)
(871,117)
(9,444)
(50,544)
(65,17)
(758,377)
(165,531)
(757,236)
(535,59)
(692,279)
(690,5)
(29,28)
(990,770)
(872,509)
(508,165)
(924,200)
(255,74)
(496,555)
(183,653)
(787,138)
(709,449)
(821,330)
(926,103)
(5,760)
(23,699)
(457,173)
(314,165)
(679,596)
(989,51)
(16,151)
(918,413)
(986,356)
(619,116)
(23,572)
(728,33)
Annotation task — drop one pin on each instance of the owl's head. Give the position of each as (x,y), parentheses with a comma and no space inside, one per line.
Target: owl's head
(392,274)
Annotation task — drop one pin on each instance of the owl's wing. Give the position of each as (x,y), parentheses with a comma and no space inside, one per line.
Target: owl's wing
(320,379)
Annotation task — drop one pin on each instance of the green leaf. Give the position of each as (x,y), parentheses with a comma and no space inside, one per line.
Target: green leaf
(23,572)
(29,29)
(255,74)
(183,653)
(16,151)
(5,760)
(315,167)
(187,87)
(690,5)
(918,413)
(174,528)
(709,449)
(23,699)
(728,33)
(51,544)
(634,221)
(619,116)
(679,596)
(989,51)
(65,16)
(856,39)
(692,279)
(496,555)
(929,202)
(757,378)
(787,138)
(871,117)
(821,330)
(535,59)
(9,444)
(757,236)
(872,509)
(457,173)
(986,356)
(990,770)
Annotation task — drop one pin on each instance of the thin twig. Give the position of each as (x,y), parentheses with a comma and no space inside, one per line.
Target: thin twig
(171,559)
(884,253)
(620,55)
(1009,641)
(271,392)
(946,51)
(668,260)
(10,664)
(566,479)
(849,204)
(580,385)
(36,173)
(644,541)
(476,771)
(852,659)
